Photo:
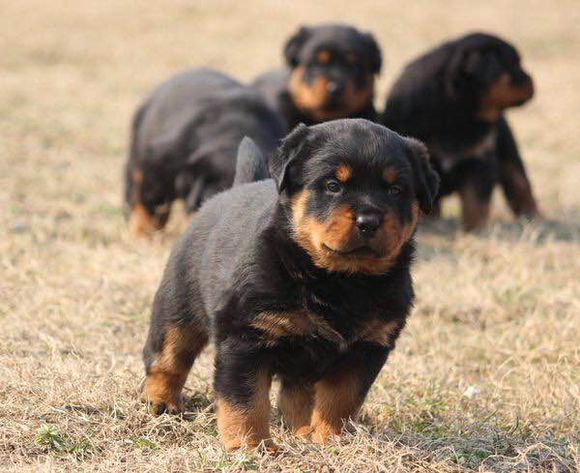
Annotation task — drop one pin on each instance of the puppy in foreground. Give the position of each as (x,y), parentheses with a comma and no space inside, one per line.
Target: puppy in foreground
(305,277)
(453,98)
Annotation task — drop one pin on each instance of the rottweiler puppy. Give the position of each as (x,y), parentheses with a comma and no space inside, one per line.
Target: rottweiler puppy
(305,276)
(453,98)
(184,142)
(330,74)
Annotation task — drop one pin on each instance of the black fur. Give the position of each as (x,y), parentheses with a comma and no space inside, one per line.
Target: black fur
(240,258)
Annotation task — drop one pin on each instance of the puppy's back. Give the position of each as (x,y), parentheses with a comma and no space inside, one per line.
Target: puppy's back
(217,241)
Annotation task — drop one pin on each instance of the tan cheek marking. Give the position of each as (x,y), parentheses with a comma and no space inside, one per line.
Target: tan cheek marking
(337,231)
(398,234)
(390,175)
(307,97)
(343,173)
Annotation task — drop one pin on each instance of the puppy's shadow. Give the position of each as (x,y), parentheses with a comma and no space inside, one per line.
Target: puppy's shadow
(538,231)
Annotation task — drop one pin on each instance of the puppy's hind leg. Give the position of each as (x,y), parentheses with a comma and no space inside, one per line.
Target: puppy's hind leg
(169,353)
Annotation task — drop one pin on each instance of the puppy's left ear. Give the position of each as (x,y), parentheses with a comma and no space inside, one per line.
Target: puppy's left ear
(376,58)
(426,179)
(294,44)
(287,157)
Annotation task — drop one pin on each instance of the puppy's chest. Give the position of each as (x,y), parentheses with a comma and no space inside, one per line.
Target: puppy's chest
(449,152)
(333,324)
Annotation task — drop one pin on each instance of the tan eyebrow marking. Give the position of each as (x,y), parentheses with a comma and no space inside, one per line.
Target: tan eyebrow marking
(343,173)
(390,175)
(323,57)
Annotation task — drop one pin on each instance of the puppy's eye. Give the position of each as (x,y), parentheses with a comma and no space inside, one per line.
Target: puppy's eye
(394,190)
(333,186)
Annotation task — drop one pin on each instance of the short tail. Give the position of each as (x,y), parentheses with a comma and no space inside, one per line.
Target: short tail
(251,163)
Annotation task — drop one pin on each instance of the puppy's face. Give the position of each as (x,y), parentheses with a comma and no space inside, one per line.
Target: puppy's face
(333,70)
(354,192)
(494,73)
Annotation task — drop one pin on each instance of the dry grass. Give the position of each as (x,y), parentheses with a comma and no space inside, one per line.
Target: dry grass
(485,378)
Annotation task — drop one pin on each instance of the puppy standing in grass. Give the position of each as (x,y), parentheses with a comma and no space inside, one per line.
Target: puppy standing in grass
(305,277)
(453,98)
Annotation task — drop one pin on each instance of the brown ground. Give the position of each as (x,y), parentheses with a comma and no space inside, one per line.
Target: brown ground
(486,377)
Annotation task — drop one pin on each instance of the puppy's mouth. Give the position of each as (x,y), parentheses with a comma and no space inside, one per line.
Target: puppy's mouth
(358,252)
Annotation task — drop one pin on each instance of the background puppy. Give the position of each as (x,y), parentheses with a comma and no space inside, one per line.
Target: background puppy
(305,277)
(453,98)
(184,142)
(331,74)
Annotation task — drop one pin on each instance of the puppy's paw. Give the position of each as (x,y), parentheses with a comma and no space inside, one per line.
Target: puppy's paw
(267,446)
(165,407)
(319,434)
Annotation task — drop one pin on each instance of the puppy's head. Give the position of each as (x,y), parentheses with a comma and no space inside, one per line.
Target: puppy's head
(489,71)
(353,191)
(333,70)
(148,197)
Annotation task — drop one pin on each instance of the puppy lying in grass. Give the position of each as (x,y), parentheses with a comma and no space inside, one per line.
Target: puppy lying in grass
(305,277)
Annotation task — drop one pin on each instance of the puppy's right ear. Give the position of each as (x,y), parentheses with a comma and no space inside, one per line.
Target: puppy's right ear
(426,179)
(294,44)
(288,155)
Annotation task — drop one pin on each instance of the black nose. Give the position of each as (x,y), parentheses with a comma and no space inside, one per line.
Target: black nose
(367,224)
(334,89)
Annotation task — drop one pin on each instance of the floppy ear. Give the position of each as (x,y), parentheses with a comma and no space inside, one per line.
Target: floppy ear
(453,74)
(287,156)
(426,179)
(294,44)
(376,58)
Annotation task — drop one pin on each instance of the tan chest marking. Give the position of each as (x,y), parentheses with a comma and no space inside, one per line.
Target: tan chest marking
(299,323)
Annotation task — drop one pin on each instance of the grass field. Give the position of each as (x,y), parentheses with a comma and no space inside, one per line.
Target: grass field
(485,378)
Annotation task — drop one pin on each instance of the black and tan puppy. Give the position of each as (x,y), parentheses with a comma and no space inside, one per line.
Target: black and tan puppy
(184,142)
(331,74)
(305,277)
(453,98)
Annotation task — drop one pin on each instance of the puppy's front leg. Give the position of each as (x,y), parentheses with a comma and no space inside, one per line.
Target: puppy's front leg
(242,383)
(340,394)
